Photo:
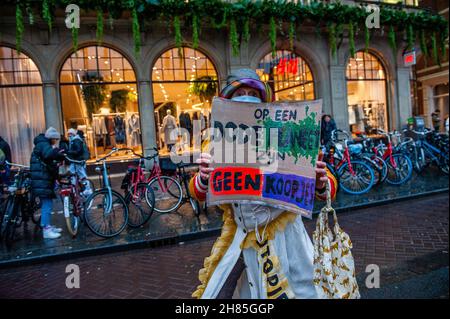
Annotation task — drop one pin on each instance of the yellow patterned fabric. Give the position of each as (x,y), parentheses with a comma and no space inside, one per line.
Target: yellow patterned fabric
(334,267)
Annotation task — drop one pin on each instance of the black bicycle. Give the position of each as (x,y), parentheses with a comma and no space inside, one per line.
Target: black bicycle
(20,205)
(184,179)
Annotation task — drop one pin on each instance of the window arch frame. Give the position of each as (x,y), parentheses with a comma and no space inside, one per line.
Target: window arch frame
(28,56)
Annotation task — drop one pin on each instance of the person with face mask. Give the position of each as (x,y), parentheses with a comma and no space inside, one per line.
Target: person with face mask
(44,171)
(263,252)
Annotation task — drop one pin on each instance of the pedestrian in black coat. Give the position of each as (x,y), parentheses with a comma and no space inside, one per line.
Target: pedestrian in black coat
(327,127)
(4,169)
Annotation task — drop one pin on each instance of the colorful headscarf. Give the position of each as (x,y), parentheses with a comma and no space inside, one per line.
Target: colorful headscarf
(249,78)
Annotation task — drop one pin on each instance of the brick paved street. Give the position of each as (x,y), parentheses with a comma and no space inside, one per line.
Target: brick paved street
(398,237)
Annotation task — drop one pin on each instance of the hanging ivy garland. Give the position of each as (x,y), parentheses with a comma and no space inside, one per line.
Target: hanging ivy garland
(273,36)
(292,35)
(410,37)
(177,30)
(246,31)
(75,40)
(236,15)
(136,32)
(435,49)
(351,39)
(19,27)
(99,32)
(46,13)
(332,39)
(423,45)
(392,40)
(234,38)
(195,31)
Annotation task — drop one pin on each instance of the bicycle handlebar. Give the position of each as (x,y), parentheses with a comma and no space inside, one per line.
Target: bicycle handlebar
(74,161)
(139,155)
(16,165)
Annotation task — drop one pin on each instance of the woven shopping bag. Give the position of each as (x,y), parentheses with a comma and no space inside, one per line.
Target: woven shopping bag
(334,267)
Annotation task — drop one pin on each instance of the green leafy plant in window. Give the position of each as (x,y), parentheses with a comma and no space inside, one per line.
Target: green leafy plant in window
(136,32)
(204,87)
(332,38)
(93,92)
(118,100)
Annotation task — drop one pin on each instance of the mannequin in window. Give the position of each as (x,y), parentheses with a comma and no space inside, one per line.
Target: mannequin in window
(168,125)
(185,123)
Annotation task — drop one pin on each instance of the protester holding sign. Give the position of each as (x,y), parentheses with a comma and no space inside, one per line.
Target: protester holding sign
(269,243)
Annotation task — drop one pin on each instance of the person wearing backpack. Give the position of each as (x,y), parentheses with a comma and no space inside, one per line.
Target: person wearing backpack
(78,151)
(44,171)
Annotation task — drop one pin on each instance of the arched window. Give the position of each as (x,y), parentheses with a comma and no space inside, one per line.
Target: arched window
(21,103)
(184,84)
(99,97)
(289,76)
(366,92)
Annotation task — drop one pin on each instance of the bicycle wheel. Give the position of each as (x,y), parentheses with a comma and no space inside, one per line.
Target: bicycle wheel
(139,211)
(399,169)
(8,228)
(99,220)
(379,167)
(359,181)
(72,221)
(168,194)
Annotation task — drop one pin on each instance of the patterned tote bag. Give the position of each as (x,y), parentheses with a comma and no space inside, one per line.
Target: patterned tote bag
(334,267)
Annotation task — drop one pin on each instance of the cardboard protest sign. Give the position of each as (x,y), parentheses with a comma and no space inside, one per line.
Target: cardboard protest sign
(265,153)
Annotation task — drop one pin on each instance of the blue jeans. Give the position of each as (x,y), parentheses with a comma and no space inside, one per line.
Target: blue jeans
(46,210)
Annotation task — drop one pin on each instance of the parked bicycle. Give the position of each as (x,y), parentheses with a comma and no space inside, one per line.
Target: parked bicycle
(424,153)
(184,178)
(106,211)
(354,176)
(398,163)
(20,205)
(167,189)
(73,198)
(138,194)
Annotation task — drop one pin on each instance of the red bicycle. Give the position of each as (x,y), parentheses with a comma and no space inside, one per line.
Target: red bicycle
(139,197)
(354,176)
(399,164)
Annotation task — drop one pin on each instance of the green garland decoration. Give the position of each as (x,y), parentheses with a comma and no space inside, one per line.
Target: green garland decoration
(435,49)
(351,39)
(99,33)
(423,45)
(75,40)
(332,39)
(366,39)
(292,35)
(19,28)
(178,38)
(195,32)
(442,43)
(30,14)
(136,32)
(246,31)
(410,37)
(392,40)
(234,38)
(46,14)
(273,36)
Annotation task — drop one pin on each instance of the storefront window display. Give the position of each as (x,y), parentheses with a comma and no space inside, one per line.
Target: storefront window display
(99,97)
(183,88)
(366,93)
(21,103)
(289,76)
